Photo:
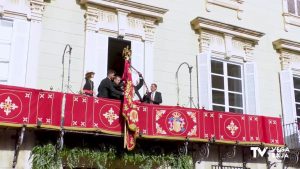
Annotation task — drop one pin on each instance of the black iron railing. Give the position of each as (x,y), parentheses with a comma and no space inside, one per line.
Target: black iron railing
(226,167)
(292,135)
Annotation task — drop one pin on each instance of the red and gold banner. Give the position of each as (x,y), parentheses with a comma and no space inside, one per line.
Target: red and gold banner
(129,108)
(33,108)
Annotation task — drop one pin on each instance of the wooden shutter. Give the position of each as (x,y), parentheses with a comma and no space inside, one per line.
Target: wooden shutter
(137,60)
(204,80)
(5,48)
(287,96)
(19,53)
(250,81)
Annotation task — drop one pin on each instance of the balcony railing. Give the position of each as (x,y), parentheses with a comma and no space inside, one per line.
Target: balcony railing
(292,135)
(226,167)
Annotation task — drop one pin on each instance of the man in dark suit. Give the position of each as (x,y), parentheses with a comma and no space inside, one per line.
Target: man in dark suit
(118,86)
(153,97)
(106,87)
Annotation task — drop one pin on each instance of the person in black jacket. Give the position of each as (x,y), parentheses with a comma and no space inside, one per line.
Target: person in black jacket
(88,88)
(118,86)
(153,97)
(106,88)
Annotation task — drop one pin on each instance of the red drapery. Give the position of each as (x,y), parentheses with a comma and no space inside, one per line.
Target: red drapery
(30,107)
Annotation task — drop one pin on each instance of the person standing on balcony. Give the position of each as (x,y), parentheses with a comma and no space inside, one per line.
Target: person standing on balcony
(106,88)
(88,88)
(118,85)
(153,97)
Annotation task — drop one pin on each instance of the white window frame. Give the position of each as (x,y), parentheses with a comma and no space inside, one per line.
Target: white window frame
(212,35)
(296,9)
(226,90)
(290,19)
(294,89)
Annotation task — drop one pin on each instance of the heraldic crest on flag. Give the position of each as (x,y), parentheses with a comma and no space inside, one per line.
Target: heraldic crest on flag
(129,110)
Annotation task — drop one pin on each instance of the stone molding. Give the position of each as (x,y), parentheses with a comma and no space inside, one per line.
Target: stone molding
(288,50)
(37,8)
(227,41)
(123,18)
(25,9)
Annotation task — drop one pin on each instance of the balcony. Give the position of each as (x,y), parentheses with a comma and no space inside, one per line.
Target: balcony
(40,110)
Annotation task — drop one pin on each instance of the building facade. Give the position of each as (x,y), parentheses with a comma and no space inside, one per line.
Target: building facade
(244,54)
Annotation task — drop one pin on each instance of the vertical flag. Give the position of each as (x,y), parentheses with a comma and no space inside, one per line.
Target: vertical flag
(129,109)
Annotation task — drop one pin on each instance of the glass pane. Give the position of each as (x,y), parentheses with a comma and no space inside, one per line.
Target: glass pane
(298,7)
(235,110)
(291,6)
(296,82)
(234,85)
(234,70)
(5,51)
(217,67)
(218,97)
(235,100)
(217,82)
(297,96)
(218,108)
(298,109)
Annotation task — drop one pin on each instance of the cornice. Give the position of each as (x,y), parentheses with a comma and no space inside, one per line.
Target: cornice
(131,6)
(207,24)
(285,44)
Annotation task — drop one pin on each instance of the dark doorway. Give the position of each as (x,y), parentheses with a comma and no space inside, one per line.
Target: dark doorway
(115,59)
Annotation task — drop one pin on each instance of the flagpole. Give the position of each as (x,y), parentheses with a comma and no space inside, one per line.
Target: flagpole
(141,75)
(125,135)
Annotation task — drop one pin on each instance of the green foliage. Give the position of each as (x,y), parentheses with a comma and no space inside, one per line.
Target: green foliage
(47,157)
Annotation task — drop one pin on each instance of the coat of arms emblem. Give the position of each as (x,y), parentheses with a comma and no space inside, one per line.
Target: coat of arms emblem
(176,123)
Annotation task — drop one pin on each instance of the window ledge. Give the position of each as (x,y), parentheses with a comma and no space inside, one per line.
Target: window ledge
(230,4)
(290,19)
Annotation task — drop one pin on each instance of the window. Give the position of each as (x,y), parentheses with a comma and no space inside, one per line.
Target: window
(227,86)
(296,80)
(294,7)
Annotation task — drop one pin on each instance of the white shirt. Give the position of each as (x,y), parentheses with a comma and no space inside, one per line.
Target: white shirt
(153,95)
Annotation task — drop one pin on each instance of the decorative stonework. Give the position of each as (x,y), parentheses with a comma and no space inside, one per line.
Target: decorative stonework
(235,5)
(91,20)
(37,8)
(23,9)
(204,40)
(149,27)
(107,20)
(123,18)
(226,41)
(15,9)
(289,52)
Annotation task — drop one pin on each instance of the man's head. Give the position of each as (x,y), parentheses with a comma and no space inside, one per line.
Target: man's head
(117,80)
(153,87)
(111,74)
